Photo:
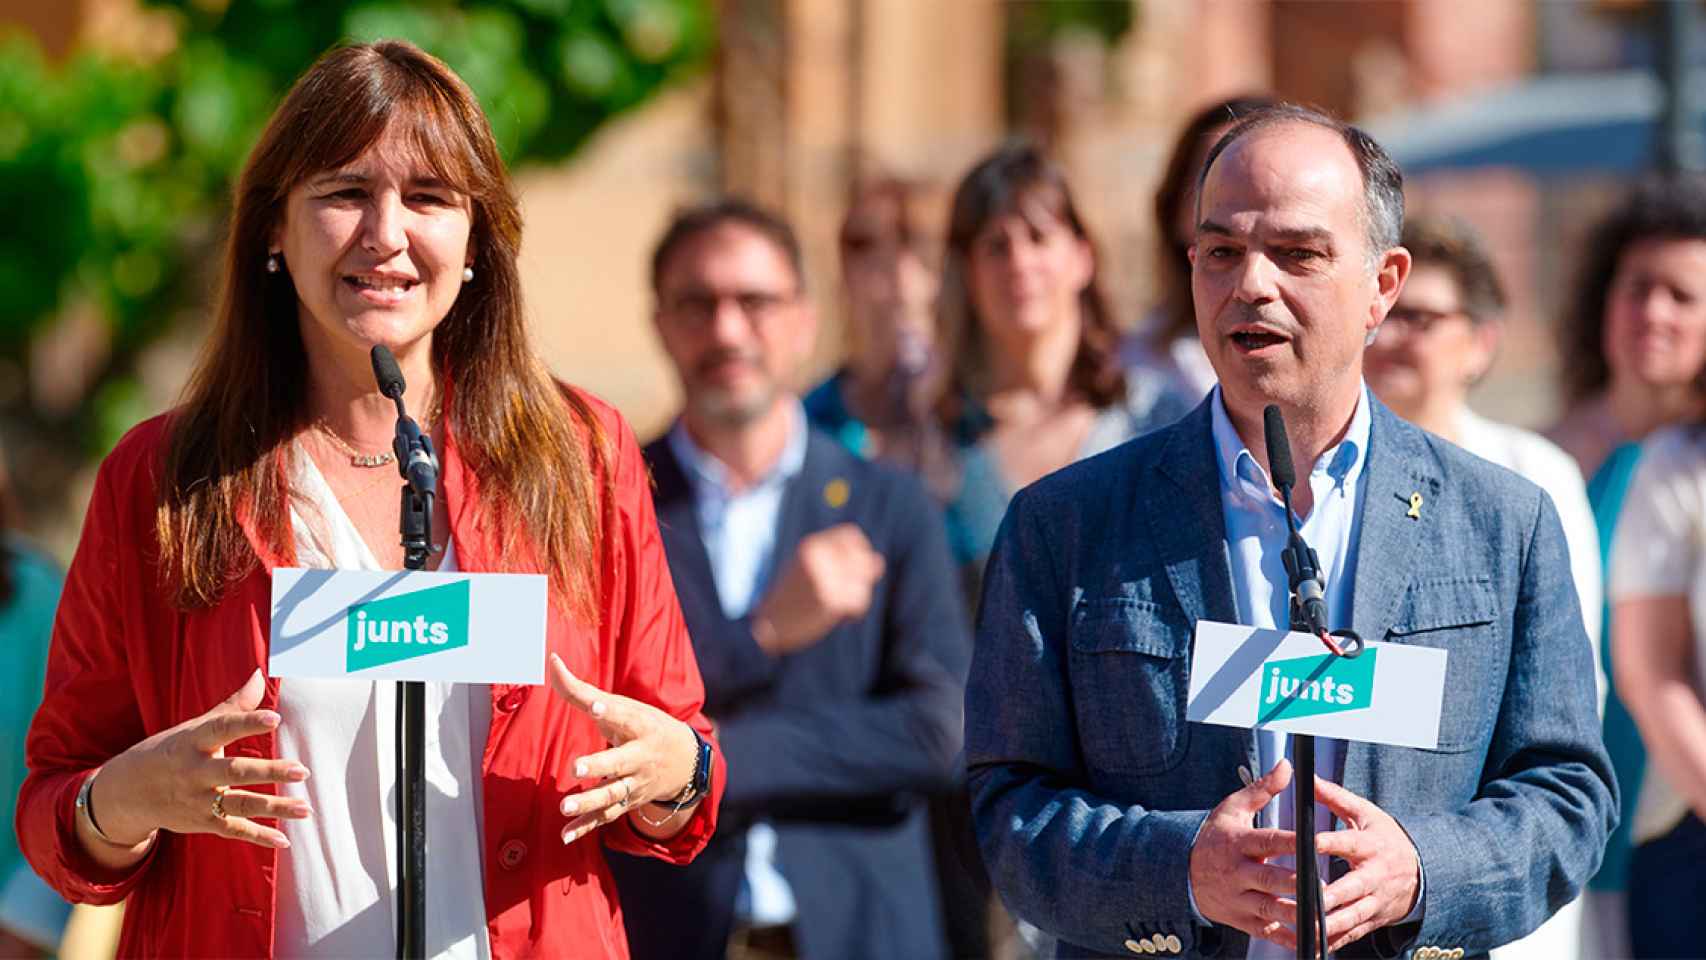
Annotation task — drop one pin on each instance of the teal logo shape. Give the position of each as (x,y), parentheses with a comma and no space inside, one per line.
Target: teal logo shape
(1310,686)
(406,626)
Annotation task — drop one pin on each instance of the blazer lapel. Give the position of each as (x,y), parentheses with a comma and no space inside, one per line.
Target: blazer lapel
(1186,525)
(1400,466)
(678,522)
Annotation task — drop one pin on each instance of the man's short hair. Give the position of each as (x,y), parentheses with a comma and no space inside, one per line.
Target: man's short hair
(1450,243)
(1382,181)
(689,222)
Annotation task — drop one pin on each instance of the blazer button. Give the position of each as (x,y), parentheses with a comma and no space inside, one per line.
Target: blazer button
(1175,944)
(511,854)
(513,700)
(1134,946)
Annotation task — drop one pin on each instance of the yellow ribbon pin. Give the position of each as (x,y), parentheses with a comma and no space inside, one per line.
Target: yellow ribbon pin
(1415,507)
(835,493)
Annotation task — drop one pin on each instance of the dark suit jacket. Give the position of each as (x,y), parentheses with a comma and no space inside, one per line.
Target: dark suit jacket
(1089,785)
(834,745)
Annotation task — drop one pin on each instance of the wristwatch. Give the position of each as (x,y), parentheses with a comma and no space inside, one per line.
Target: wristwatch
(700,783)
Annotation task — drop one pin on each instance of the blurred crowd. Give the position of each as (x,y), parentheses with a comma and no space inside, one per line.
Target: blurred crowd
(837,532)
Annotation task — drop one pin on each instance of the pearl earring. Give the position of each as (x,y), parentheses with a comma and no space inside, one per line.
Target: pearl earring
(467,274)
(272,263)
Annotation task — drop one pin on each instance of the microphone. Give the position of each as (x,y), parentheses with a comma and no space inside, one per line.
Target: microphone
(1279,449)
(1302,565)
(386,372)
(415,459)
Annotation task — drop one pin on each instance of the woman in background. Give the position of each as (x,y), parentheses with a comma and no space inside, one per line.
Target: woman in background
(1033,379)
(1634,357)
(1167,337)
(1658,577)
(1437,341)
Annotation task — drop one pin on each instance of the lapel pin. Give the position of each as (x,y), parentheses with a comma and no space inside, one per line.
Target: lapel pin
(835,493)
(1415,507)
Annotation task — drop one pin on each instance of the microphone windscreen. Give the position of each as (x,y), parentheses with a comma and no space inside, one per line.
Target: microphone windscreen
(1280,469)
(386,372)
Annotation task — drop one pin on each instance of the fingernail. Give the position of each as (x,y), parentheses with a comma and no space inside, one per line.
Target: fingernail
(598,708)
(570,808)
(298,774)
(270,719)
(580,768)
(281,844)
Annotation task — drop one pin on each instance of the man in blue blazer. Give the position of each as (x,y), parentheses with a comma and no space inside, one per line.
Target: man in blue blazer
(1112,823)
(825,616)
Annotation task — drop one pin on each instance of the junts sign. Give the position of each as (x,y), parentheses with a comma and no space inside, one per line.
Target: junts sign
(1271,679)
(408,625)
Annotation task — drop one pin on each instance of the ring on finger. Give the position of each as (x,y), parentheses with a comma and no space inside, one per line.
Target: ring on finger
(219,803)
(627,791)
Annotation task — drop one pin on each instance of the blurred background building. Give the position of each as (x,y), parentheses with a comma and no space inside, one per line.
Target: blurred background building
(122,120)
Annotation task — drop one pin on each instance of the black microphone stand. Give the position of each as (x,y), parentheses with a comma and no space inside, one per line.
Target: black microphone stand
(418,466)
(1308,615)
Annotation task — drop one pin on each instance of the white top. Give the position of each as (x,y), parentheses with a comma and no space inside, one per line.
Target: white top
(1657,553)
(337,882)
(1545,464)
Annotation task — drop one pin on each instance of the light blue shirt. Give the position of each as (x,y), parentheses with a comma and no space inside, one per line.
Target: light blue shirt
(738,528)
(1256,535)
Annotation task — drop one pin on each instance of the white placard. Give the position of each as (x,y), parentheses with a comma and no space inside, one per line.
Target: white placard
(1270,679)
(408,625)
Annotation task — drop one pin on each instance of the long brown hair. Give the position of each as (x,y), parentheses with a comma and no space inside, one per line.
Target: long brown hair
(536,456)
(1017,172)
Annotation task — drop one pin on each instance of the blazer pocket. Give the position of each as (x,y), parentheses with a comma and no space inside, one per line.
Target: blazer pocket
(1129,674)
(1459,616)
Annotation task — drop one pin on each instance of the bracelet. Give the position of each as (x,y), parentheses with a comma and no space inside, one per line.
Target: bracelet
(88,810)
(679,806)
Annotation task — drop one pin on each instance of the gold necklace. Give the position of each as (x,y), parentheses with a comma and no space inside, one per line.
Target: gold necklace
(356,457)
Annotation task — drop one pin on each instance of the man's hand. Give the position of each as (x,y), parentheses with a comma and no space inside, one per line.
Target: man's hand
(829,580)
(1230,877)
(1385,874)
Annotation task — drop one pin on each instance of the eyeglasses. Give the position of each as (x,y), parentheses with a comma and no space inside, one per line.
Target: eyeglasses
(1417,320)
(699,307)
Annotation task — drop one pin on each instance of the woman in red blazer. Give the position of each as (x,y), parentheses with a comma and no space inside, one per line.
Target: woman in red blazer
(166,769)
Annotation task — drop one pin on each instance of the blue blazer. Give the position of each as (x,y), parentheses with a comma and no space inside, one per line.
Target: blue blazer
(835,745)
(1088,785)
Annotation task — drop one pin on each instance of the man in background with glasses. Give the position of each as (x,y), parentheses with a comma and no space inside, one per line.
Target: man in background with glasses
(826,618)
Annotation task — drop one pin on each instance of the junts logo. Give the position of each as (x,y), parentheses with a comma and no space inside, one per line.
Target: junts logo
(1308,686)
(411,625)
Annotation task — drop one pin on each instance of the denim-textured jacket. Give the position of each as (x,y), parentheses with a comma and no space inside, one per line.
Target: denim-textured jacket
(1088,785)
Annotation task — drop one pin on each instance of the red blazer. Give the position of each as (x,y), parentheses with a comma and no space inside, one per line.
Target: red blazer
(127,663)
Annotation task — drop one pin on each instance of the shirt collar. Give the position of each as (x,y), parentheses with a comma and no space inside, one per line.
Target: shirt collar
(706,472)
(1240,472)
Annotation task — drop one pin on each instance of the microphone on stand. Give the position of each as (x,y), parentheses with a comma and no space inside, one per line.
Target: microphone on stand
(419,468)
(416,461)
(1302,565)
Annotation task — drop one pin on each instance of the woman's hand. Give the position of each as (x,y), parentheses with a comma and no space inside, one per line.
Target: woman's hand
(651,761)
(180,780)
